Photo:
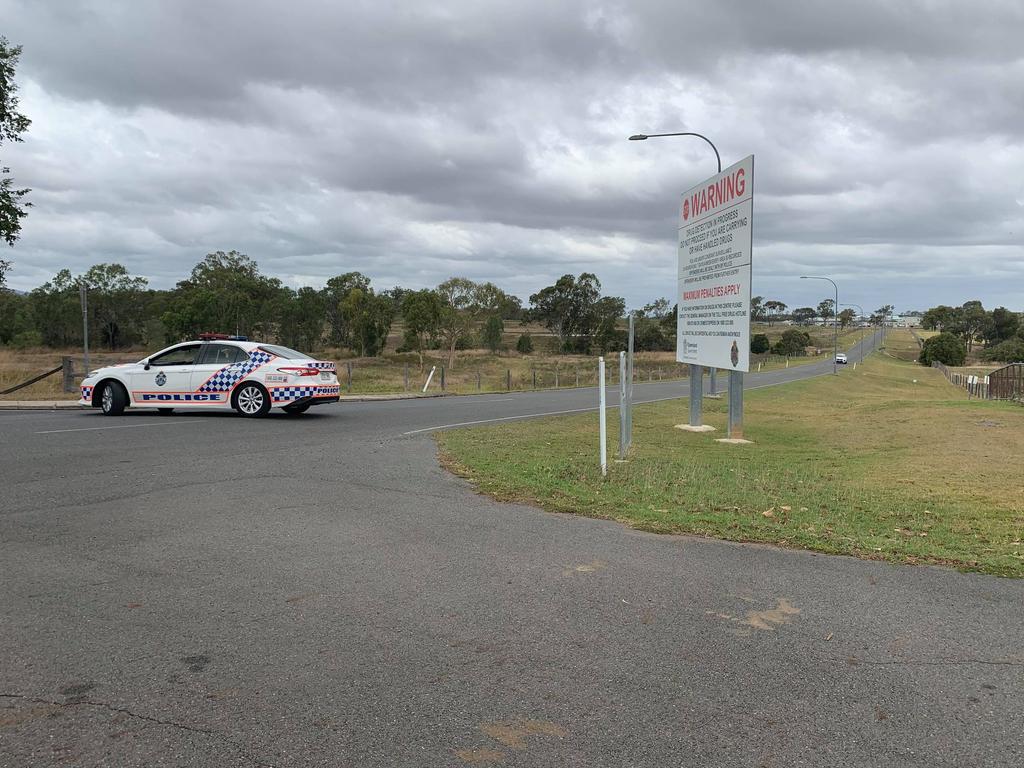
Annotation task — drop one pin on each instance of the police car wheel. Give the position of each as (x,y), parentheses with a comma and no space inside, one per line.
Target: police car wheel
(113,399)
(165,411)
(252,400)
(295,410)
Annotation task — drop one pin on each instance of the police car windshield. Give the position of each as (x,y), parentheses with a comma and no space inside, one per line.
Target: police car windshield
(287,354)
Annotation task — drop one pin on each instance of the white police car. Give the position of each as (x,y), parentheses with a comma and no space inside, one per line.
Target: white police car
(219,371)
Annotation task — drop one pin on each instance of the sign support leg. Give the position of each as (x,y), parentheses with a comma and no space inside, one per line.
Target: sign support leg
(696,395)
(736,405)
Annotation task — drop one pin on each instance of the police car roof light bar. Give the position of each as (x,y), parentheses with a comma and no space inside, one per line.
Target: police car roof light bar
(212,336)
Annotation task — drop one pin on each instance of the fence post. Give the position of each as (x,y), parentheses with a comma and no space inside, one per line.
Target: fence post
(556,378)
(478,381)
(406,377)
(442,378)
(508,379)
(69,374)
(534,378)
(349,366)
(577,378)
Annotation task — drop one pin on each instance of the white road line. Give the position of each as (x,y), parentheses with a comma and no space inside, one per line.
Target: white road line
(122,426)
(574,410)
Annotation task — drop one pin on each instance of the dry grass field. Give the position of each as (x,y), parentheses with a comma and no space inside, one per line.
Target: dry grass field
(475,370)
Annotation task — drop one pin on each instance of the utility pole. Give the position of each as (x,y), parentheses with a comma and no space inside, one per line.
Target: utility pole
(83,295)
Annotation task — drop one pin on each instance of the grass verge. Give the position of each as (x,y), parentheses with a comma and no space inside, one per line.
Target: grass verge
(885,462)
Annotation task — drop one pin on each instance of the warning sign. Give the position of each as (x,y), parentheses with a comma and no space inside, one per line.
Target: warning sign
(715,239)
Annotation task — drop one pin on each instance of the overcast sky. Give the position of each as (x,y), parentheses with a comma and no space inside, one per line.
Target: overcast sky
(415,141)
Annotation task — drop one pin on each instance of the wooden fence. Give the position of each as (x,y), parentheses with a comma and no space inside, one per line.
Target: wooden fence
(1006,383)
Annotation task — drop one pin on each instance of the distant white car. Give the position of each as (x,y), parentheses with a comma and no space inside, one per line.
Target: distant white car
(841,358)
(218,371)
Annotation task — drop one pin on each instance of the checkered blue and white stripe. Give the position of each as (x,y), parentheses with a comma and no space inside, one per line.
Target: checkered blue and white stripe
(87,393)
(294,393)
(323,366)
(224,379)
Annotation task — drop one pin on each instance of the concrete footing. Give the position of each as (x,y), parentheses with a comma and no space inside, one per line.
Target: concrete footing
(701,428)
(734,441)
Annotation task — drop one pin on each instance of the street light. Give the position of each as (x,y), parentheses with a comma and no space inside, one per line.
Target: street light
(696,371)
(835,322)
(645,136)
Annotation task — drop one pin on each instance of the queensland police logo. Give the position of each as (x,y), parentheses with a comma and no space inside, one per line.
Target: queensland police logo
(161,379)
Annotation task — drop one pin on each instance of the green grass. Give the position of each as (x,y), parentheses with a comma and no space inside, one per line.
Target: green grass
(869,463)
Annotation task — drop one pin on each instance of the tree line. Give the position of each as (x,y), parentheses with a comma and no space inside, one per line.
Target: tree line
(227,292)
(999,331)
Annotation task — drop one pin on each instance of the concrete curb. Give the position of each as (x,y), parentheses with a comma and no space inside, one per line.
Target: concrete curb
(40,405)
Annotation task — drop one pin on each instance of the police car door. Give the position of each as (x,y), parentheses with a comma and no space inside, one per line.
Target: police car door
(166,377)
(213,359)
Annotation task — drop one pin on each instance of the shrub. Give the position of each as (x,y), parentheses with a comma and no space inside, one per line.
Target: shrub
(793,343)
(759,343)
(944,348)
(27,340)
(1009,351)
(525,344)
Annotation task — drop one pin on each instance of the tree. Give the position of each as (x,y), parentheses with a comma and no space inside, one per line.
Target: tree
(421,314)
(224,293)
(55,311)
(826,309)
(759,343)
(459,299)
(606,315)
(882,314)
(5,267)
(944,348)
(335,293)
(939,318)
(773,309)
(524,345)
(567,308)
(369,318)
(793,343)
(1002,326)
(804,315)
(491,335)
(12,125)
(14,319)
(302,318)
(116,304)
(757,311)
(971,321)
(846,317)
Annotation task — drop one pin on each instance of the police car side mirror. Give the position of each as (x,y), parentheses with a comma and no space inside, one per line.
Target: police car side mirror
(146,366)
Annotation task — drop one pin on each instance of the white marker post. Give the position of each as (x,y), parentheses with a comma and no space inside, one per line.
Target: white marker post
(602,417)
(429,377)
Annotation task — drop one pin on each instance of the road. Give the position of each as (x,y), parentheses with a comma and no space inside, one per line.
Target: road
(204,590)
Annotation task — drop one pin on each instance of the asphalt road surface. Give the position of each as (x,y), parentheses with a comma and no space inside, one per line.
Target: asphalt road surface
(204,590)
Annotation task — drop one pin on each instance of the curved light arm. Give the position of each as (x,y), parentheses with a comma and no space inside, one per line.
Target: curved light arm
(645,136)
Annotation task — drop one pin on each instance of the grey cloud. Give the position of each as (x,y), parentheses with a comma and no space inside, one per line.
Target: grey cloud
(488,139)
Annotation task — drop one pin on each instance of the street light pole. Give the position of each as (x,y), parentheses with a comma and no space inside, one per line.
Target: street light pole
(696,371)
(835,321)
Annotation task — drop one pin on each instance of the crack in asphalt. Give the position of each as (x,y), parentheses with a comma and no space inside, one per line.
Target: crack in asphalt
(854,661)
(146,718)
